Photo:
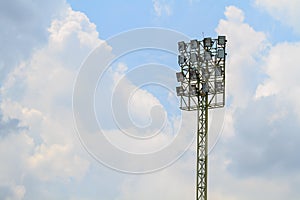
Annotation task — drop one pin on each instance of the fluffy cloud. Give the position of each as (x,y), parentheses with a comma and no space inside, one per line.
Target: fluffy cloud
(15,147)
(39,146)
(15,192)
(130,111)
(24,28)
(161,8)
(282,70)
(172,183)
(244,47)
(285,11)
(38,95)
(263,116)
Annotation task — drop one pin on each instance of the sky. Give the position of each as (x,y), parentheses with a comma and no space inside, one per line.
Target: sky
(88,107)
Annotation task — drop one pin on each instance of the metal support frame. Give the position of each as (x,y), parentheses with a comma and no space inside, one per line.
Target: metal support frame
(202,148)
(202,79)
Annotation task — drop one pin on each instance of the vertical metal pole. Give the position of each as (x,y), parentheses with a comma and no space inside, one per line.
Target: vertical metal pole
(202,148)
(198,135)
(206,144)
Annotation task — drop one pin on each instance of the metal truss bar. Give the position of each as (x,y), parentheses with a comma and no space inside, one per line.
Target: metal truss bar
(202,148)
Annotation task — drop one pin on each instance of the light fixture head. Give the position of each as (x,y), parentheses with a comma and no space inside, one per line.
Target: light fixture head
(219,86)
(181,46)
(179,91)
(222,40)
(221,53)
(194,57)
(179,76)
(194,44)
(207,42)
(193,75)
(181,59)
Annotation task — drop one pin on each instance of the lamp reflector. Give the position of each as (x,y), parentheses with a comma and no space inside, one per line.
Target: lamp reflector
(221,40)
(194,44)
(179,91)
(219,86)
(181,59)
(194,57)
(179,76)
(181,46)
(207,42)
(193,75)
(221,53)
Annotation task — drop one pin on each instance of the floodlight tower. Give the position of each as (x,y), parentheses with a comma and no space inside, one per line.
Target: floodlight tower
(202,79)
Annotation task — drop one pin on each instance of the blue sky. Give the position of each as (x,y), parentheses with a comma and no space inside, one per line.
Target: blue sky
(189,17)
(51,57)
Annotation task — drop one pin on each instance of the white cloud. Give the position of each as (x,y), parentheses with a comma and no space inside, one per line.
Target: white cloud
(15,156)
(24,28)
(282,69)
(138,101)
(38,93)
(137,113)
(14,151)
(244,46)
(161,8)
(262,110)
(76,24)
(226,186)
(234,14)
(286,12)
(57,163)
(171,183)
(12,192)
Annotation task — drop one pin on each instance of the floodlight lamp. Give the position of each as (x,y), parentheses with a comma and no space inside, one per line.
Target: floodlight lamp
(194,44)
(194,57)
(181,59)
(207,55)
(219,86)
(222,40)
(221,53)
(193,75)
(207,42)
(181,46)
(179,91)
(179,76)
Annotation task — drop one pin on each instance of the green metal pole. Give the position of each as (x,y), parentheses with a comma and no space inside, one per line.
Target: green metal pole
(202,148)
(206,144)
(198,135)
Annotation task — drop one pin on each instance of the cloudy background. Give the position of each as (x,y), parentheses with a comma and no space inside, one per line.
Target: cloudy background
(43,45)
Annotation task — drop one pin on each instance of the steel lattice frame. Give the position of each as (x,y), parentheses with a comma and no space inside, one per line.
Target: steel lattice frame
(202,79)
(202,149)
